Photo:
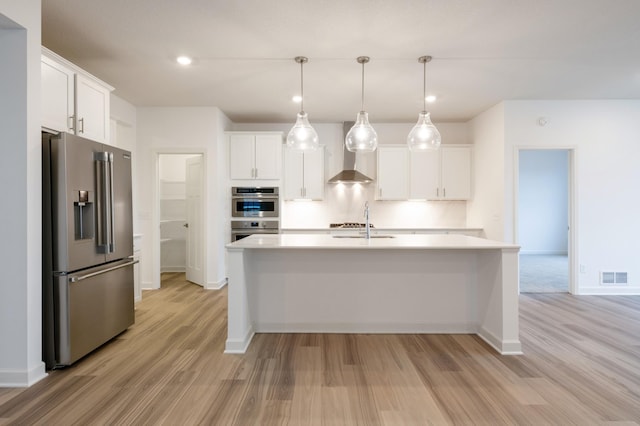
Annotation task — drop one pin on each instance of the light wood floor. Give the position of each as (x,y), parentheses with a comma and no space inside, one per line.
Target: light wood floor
(581,366)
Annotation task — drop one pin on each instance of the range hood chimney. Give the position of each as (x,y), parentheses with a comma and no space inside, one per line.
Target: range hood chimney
(349,174)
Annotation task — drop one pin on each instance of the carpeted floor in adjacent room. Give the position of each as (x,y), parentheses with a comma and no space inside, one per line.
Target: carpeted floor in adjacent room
(541,273)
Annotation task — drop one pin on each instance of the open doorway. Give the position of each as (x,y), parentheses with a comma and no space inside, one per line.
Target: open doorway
(180,189)
(544,220)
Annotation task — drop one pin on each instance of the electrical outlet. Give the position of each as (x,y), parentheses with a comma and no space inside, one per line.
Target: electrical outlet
(583,269)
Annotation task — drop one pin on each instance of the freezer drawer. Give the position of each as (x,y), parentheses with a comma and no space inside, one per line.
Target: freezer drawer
(92,307)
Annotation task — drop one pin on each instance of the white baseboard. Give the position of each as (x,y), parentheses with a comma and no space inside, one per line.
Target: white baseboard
(239,346)
(147,285)
(22,378)
(172,269)
(216,285)
(608,291)
(504,347)
(544,252)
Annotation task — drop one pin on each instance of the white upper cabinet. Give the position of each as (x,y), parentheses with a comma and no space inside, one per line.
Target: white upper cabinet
(92,109)
(254,155)
(443,174)
(304,174)
(424,174)
(393,177)
(455,173)
(58,104)
(73,100)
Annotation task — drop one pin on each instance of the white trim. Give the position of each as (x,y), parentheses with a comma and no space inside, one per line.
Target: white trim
(544,252)
(239,346)
(216,285)
(610,291)
(76,69)
(22,378)
(572,243)
(155,213)
(507,347)
(369,328)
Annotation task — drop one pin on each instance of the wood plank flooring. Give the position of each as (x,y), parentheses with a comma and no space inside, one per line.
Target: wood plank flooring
(581,366)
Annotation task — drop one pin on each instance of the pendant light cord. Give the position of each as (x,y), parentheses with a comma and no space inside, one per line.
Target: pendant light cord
(362,108)
(301,87)
(424,87)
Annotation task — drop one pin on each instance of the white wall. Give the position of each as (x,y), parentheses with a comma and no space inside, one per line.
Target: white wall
(606,138)
(181,130)
(543,201)
(486,209)
(345,203)
(20,184)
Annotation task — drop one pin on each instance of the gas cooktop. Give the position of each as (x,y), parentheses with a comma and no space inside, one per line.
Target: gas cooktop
(349,225)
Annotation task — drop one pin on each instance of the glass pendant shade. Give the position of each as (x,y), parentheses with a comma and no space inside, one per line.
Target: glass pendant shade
(361,137)
(424,134)
(302,136)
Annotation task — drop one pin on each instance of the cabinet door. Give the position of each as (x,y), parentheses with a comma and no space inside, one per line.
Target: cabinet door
(293,174)
(456,173)
(393,175)
(268,151)
(241,156)
(314,174)
(57,96)
(92,107)
(424,175)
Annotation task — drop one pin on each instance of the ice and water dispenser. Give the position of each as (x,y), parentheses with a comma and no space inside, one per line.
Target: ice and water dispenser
(83,215)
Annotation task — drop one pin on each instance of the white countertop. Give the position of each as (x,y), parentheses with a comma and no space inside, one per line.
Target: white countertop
(399,241)
(390,230)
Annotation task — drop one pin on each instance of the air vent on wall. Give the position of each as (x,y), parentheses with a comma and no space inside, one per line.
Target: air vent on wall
(613,278)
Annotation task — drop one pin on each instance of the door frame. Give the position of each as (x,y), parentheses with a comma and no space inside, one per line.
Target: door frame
(155,219)
(572,235)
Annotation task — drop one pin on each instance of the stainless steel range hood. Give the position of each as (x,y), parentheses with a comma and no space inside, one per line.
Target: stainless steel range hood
(349,174)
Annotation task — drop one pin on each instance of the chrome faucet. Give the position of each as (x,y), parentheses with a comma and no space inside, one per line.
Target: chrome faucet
(366,217)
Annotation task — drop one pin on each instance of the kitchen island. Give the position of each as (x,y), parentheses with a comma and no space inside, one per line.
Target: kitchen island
(387,284)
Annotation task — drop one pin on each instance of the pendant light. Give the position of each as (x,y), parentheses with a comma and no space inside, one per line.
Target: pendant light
(302,136)
(362,137)
(424,135)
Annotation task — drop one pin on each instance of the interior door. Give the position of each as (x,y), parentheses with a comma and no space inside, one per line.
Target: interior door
(194,255)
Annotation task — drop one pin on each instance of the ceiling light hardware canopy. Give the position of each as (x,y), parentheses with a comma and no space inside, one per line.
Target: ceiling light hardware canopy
(302,135)
(424,135)
(362,137)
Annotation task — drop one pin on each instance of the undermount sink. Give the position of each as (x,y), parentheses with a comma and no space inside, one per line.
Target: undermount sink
(362,236)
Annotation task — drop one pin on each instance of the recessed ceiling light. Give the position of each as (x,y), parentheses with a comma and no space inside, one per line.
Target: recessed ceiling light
(431,98)
(297,99)
(183,60)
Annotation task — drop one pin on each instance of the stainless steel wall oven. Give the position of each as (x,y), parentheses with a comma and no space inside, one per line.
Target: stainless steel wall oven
(243,228)
(255,202)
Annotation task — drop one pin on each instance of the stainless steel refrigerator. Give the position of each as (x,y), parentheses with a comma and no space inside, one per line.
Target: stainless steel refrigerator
(87,246)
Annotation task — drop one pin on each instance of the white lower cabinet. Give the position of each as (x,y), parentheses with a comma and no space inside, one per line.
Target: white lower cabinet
(393,180)
(304,174)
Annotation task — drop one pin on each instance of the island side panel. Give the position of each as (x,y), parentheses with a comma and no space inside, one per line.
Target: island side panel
(497,299)
(363,291)
(239,328)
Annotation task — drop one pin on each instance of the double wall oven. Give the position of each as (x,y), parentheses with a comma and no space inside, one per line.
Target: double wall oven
(255,210)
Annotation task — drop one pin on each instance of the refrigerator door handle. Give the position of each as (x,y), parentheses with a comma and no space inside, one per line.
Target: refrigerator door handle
(112,227)
(103,201)
(102,238)
(75,278)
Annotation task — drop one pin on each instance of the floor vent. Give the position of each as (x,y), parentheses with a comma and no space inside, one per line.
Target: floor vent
(613,278)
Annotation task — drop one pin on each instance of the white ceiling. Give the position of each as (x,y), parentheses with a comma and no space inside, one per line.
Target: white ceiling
(484,52)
